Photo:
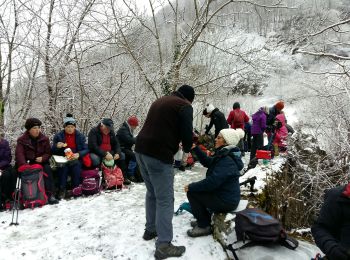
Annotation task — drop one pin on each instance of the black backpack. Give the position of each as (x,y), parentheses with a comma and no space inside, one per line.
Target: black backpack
(259,228)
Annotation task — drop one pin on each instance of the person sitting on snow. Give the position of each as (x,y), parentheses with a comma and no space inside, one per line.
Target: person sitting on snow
(220,190)
(70,138)
(331,230)
(103,144)
(125,135)
(33,147)
(217,119)
(7,175)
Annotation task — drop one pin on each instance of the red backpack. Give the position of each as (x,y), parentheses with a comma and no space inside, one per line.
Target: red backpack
(32,186)
(90,182)
(113,176)
(238,119)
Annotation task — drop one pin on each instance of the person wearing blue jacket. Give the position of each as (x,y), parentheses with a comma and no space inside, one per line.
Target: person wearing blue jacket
(76,141)
(220,190)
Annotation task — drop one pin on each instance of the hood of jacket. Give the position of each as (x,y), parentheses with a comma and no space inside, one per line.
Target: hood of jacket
(232,151)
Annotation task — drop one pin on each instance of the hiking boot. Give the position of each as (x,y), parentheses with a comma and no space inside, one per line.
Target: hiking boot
(61,194)
(52,200)
(169,250)
(194,223)
(182,168)
(199,232)
(148,235)
(126,181)
(132,179)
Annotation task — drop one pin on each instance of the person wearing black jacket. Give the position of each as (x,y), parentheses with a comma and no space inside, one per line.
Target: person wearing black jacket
(217,119)
(169,122)
(331,231)
(103,144)
(125,135)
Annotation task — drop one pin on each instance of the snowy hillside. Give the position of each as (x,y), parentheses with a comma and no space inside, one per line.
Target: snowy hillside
(110,226)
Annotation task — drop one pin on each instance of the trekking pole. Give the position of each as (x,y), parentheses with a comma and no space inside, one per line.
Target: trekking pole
(16,202)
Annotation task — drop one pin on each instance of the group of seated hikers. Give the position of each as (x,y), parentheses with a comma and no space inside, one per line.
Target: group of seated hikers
(104,148)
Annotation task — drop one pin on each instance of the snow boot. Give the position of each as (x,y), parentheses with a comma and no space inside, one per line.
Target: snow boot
(148,235)
(199,232)
(169,250)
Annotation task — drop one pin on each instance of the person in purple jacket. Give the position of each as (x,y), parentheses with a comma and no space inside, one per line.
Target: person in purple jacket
(7,178)
(257,131)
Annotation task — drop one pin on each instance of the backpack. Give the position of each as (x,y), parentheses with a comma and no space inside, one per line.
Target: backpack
(32,186)
(238,119)
(259,228)
(90,182)
(113,176)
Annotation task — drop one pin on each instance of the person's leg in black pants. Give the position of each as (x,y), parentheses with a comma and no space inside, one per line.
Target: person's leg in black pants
(49,184)
(202,201)
(8,183)
(257,143)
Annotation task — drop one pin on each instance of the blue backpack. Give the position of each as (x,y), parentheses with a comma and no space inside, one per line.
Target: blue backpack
(259,228)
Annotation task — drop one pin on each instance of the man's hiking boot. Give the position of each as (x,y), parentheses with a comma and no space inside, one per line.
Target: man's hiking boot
(199,232)
(126,181)
(148,235)
(132,179)
(194,223)
(169,250)
(52,200)
(61,194)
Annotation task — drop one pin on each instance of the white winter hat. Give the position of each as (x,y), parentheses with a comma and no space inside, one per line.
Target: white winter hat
(210,108)
(232,136)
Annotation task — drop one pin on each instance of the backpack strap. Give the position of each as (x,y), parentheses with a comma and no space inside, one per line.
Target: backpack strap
(288,241)
(233,250)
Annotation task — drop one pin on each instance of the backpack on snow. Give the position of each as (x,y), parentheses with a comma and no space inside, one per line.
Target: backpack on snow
(113,176)
(32,190)
(90,182)
(259,228)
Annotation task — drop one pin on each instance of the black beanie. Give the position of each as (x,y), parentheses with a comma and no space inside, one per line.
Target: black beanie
(187,91)
(236,105)
(31,122)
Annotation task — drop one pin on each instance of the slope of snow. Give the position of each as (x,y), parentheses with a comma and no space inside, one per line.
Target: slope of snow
(110,226)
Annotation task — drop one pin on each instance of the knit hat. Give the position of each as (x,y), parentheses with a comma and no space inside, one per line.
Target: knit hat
(279,105)
(108,123)
(232,136)
(69,120)
(187,91)
(236,105)
(31,122)
(210,108)
(133,121)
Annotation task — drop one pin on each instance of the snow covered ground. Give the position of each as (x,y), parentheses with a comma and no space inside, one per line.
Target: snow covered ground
(110,226)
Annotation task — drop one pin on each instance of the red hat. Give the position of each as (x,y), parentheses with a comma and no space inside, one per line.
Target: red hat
(279,105)
(133,121)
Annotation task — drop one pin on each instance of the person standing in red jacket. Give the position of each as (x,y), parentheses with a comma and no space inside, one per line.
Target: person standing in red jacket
(33,147)
(236,119)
